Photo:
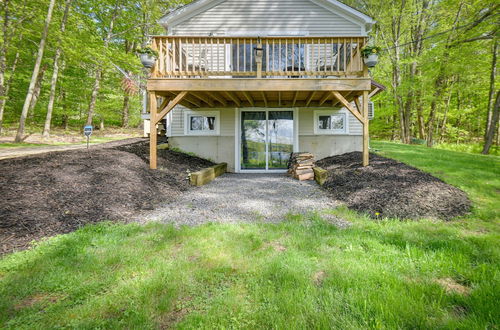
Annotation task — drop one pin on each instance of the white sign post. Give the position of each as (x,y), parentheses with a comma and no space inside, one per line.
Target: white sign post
(87,131)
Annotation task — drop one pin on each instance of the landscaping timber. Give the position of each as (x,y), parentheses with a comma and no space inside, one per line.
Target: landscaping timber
(206,175)
(320,175)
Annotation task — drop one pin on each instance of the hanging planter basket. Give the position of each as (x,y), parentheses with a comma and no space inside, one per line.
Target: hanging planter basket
(147,60)
(370,55)
(371,60)
(148,57)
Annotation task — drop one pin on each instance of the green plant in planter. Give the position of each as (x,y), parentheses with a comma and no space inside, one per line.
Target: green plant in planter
(370,50)
(147,51)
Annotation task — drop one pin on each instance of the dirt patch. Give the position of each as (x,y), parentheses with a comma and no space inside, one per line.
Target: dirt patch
(42,299)
(53,193)
(388,188)
(451,286)
(319,277)
(275,245)
(179,311)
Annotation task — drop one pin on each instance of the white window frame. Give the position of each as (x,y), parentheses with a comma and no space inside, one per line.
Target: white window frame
(187,123)
(331,112)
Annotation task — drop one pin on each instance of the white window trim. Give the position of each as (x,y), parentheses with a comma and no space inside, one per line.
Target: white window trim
(187,125)
(330,112)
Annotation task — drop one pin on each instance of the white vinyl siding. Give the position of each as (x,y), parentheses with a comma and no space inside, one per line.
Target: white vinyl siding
(177,120)
(275,17)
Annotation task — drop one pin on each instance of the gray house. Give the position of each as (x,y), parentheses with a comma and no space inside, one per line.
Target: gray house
(248,82)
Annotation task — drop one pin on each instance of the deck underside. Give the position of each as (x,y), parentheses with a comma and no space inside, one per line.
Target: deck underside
(231,92)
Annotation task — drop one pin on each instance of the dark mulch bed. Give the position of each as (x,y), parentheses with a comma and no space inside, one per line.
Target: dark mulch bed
(52,193)
(388,188)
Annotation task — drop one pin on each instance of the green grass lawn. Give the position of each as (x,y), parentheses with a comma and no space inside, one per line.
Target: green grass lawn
(22,145)
(301,273)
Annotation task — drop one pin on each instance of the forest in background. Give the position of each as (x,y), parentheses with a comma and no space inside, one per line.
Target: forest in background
(64,63)
(439,63)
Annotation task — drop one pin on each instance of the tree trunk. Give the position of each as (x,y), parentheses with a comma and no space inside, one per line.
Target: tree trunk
(93,96)
(420,115)
(414,97)
(396,75)
(416,47)
(98,74)
(491,93)
(494,122)
(38,62)
(3,59)
(55,74)
(394,127)
(125,110)
(6,89)
(36,94)
(442,127)
(440,82)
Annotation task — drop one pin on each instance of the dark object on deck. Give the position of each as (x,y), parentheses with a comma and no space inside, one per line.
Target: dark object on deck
(388,188)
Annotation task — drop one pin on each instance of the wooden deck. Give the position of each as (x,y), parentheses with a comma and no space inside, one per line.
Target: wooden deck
(192,56)
(216,72)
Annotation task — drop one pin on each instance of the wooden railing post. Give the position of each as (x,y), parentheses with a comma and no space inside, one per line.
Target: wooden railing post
(259,52)
(193,56)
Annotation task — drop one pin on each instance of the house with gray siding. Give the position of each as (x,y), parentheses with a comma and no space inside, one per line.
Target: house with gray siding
(248,82)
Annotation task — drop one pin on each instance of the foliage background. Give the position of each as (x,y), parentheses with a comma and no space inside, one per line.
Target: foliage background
(437,63)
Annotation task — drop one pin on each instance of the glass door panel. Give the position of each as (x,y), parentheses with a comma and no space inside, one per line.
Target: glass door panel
(280,132)
(253,140)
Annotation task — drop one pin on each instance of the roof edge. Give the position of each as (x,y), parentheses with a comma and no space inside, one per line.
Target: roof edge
(201,5)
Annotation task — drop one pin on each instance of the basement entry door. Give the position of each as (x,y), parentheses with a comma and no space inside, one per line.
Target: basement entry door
(267,138)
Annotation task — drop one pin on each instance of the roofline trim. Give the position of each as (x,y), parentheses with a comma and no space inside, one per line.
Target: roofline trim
(198,6)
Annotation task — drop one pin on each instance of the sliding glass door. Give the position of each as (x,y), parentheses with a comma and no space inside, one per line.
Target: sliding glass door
(253,140)
(267,139)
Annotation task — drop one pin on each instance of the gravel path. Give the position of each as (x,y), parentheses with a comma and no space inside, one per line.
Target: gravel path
(245,198)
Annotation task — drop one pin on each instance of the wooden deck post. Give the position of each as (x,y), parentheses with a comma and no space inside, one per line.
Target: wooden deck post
(258,57)
(366,135)
(153,134)
(155,118)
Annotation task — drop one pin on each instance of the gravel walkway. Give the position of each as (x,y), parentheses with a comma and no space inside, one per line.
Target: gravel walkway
(245,198)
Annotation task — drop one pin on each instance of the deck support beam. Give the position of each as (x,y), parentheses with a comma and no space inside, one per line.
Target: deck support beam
(264,98)
(216,96)
(309,99)
(348,106)
(153,134)
(204,98)
(361,114)
(366,134)
(295,98)
(249,98)
(155,117)
(324,98)
(233,97)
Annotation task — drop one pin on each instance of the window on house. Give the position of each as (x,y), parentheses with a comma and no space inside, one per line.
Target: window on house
(331,122)
(202,123)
